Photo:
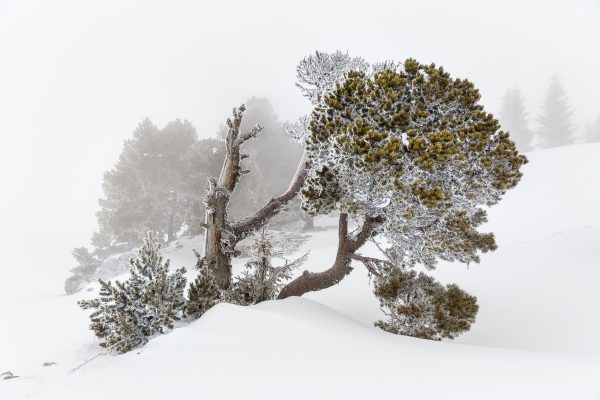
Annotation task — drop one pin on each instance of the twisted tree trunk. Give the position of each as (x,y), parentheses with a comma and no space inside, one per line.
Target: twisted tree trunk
(220,236)
(347,248)
(216,257)
(218,243)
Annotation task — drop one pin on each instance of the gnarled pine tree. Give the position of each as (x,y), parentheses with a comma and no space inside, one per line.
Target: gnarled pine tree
(408,151)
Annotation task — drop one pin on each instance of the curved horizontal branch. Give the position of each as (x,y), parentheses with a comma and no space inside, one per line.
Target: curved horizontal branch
(314,281)
(250,224)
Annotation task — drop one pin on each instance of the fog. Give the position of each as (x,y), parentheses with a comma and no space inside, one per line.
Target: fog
(76,78)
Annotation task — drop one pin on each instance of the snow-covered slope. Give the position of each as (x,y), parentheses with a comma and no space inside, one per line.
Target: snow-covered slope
(299,349)
(538,291)
(541,289)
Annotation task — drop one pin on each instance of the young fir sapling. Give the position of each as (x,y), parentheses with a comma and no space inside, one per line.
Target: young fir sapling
(128,313)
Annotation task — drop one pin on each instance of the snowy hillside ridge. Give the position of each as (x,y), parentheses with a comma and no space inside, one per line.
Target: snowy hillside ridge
(297,343)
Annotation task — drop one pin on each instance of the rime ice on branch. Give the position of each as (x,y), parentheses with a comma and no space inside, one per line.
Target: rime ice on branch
(262,279)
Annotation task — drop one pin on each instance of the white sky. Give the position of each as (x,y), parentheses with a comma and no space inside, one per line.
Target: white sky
(77,76)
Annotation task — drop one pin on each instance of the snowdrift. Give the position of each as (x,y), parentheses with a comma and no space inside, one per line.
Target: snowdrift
(299,349)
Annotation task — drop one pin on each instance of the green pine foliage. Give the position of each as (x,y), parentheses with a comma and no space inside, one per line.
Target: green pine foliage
(204,292)
(128,314)
(411,146)
(417,305)
(414,146)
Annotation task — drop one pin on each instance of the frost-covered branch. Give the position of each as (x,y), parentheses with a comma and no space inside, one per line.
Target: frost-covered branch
(415,304)
(317,74)
(262,280)
(298,131)
(251,224)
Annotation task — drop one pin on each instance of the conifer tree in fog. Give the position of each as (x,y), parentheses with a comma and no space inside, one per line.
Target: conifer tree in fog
(592,131)
(87,265)
(514,119)
(159,182)
(556,128)
(156,184)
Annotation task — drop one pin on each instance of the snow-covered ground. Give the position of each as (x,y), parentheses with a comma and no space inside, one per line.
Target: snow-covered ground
(538,320)
(300,349)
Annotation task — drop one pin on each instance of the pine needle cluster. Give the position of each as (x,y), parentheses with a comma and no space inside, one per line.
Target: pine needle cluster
(417,305)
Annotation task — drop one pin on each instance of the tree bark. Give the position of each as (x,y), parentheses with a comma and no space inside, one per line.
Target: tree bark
(347,247)
(219,243)
(215,257)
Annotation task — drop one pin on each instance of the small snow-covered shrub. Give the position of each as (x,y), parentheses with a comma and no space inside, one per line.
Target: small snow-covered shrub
(417,305)
(127,314)
(261,280)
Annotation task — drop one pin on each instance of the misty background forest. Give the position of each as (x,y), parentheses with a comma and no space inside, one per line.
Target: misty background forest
(345,199)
